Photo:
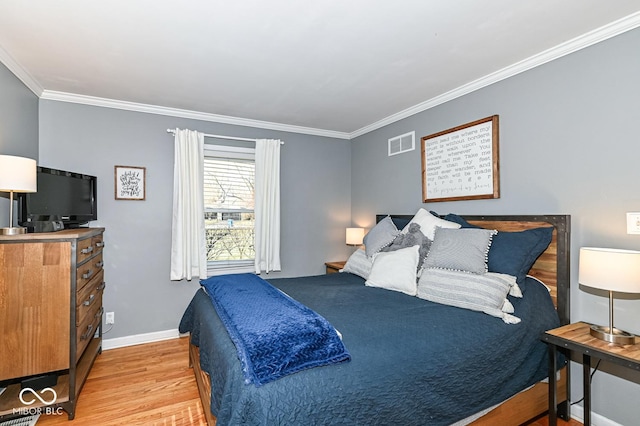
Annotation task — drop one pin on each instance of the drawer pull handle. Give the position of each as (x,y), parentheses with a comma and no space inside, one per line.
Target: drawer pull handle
(90,300)
(87,250)
(100,244)
(87,274)
(101,286)
(99,264)
(100,312)
(87,333)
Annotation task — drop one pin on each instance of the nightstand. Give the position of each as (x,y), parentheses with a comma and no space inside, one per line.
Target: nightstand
(333,267)
(576,337)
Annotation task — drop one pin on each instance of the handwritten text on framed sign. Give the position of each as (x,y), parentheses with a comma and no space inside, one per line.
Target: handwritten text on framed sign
(130,183)
(462,163)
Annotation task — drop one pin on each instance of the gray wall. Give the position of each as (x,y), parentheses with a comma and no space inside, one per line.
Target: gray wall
(18,127)
(568,144)
(315,176)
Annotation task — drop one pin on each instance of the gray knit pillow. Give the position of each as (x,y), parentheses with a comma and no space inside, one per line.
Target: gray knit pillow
(463,249)
(413,237)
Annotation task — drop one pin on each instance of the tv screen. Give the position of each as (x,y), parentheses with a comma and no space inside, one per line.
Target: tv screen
(65,196)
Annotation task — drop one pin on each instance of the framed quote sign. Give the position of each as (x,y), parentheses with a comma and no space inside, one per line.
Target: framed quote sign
(462,163)
(130,183)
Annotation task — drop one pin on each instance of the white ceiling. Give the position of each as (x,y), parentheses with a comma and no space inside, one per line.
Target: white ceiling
(334,67)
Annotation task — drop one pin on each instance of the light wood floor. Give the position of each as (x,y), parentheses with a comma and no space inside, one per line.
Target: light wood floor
(148,384)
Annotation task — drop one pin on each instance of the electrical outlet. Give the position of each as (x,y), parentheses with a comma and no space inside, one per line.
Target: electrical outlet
(110,318)
(633,223)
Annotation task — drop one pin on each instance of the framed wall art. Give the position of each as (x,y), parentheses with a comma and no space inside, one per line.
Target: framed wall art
(461,163)
(130,183)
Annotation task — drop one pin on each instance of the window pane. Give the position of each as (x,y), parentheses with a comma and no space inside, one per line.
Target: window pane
(229,218)
(229,184)
(229,236)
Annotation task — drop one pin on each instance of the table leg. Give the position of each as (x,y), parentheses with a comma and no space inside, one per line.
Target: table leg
(586,386)
(553,415)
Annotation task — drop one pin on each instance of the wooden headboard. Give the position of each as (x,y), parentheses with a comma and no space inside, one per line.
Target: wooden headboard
(552,267)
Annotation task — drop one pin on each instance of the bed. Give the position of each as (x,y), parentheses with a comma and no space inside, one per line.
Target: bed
(413,361)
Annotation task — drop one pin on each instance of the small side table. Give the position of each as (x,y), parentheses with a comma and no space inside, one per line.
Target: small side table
(333,267)
(575,337)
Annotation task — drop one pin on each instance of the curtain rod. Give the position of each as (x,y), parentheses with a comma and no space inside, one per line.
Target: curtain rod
(206,135)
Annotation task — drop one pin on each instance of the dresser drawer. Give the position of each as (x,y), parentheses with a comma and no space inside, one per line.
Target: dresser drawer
(89,297)
(88,247)
(88,271)
(97,242)
(86,330)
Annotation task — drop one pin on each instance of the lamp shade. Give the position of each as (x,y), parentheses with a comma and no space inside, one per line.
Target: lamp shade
(610,269)
(355,236)
(17,174)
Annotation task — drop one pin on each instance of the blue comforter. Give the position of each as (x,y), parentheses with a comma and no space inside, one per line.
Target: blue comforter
(274,335)
(413,361)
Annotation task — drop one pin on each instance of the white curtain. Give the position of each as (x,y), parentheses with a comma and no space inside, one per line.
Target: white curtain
(267,207)
(188,247)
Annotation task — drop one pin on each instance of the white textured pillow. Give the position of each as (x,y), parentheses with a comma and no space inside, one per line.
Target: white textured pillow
(478,292)
(395,270)
(429,222)
(358,264)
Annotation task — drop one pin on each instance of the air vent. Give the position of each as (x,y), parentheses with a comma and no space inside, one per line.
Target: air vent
(402,143)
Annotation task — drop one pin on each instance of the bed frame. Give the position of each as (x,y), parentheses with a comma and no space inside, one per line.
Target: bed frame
(552,267)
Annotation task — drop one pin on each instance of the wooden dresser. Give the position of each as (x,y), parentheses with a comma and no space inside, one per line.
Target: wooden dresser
(51,287)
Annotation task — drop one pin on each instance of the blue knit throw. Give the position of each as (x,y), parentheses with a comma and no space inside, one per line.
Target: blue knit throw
(274,334)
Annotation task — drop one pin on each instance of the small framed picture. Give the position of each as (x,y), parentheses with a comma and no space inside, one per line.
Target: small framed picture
(130,183)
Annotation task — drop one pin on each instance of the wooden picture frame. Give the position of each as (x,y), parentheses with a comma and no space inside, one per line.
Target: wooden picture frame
(462,163)
(130,183)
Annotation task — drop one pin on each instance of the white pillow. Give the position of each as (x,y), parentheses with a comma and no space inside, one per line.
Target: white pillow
(358,264)
(395,270)
(429,222)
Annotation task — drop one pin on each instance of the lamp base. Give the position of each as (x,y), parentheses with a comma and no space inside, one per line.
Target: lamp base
(612,335)
(13,231)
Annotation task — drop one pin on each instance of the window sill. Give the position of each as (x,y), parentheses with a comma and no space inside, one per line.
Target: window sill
(230,270)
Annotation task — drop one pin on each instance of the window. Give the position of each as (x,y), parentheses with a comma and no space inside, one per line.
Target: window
(229,182)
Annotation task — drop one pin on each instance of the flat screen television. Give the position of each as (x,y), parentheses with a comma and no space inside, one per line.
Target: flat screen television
(61,196)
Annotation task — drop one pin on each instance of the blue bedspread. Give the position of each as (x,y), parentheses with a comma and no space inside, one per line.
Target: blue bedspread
(413,362)
(274,335)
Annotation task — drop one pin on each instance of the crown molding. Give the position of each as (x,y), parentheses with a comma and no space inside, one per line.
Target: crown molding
(20,72)
(183,113)
(600,34)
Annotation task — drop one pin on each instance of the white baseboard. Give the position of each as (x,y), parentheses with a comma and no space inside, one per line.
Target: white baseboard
(138,339)
(577,413)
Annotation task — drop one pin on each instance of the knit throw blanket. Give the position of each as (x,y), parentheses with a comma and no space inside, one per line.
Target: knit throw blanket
(274,334)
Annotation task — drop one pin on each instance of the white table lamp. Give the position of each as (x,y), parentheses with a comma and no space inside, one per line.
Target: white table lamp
(354,236)
(611,270)
(17,174)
